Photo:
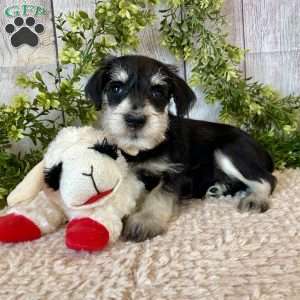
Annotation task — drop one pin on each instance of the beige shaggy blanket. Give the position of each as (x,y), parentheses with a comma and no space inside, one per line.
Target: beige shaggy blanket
(211,251)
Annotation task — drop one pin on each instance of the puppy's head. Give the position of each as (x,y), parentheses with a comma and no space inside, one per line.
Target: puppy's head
(134,93)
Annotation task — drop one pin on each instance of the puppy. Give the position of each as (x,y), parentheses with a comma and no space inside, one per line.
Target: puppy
(176,158)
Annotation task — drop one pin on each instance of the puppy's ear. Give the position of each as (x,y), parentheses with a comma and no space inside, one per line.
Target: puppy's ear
(52,176)
(96,83)
(183,95)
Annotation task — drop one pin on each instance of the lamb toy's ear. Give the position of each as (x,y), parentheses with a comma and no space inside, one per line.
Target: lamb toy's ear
(52,176)
(106,148)
(29,187)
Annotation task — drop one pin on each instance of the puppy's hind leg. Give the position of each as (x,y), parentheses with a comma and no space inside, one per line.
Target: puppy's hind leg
(260,182)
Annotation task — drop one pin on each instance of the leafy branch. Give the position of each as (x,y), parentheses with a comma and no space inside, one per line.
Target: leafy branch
(199,39)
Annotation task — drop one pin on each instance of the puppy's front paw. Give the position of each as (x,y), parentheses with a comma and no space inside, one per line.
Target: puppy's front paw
(250,204)
(142,226)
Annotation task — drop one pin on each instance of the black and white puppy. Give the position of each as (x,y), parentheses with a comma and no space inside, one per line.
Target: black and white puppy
(176,158)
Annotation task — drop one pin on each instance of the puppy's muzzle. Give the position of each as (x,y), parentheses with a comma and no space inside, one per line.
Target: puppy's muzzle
(135,121)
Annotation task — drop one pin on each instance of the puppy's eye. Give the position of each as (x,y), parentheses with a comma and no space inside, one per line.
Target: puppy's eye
(117,88)
(157,91)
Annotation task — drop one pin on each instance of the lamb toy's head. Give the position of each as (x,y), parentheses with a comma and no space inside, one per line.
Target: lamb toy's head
(80,168)
(84,167)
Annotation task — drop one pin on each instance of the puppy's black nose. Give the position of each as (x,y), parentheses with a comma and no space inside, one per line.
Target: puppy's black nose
(135,121)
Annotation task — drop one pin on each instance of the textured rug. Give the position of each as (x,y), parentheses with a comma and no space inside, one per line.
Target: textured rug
(211,251)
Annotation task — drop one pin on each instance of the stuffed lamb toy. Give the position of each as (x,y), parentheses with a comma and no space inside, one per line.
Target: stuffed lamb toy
(82,179)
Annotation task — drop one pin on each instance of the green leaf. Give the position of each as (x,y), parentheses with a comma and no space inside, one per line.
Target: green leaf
(83,14)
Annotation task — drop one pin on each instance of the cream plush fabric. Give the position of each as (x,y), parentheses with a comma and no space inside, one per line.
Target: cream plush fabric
(211,251)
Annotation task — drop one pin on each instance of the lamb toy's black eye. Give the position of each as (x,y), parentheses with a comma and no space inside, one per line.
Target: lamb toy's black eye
(106,148)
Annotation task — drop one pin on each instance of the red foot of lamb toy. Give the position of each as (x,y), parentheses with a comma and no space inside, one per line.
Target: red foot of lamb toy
(82,179)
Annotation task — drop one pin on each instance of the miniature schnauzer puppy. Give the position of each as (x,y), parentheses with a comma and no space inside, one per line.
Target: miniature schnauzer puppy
(176,158)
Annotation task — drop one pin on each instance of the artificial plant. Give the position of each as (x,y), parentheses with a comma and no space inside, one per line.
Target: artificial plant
(192,30)
(199,38)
